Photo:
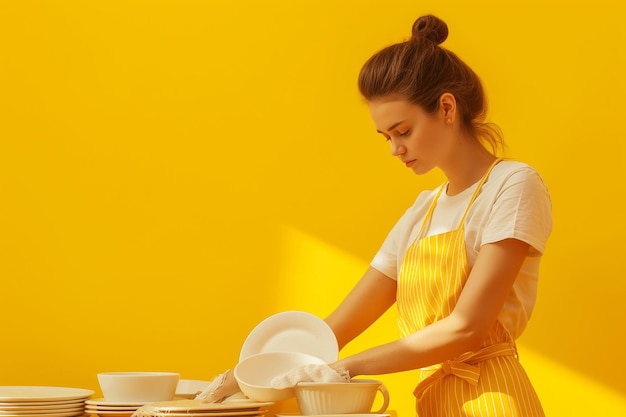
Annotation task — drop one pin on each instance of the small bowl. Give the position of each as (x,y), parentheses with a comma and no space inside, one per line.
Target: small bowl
(254,374)
(138,386)
(354,397)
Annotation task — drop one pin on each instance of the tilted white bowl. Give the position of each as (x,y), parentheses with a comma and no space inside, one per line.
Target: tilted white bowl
(255,373)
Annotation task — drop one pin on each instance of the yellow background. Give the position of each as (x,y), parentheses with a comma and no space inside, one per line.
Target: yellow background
(173,172)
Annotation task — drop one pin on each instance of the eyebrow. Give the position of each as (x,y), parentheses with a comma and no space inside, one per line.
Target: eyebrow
(392,126)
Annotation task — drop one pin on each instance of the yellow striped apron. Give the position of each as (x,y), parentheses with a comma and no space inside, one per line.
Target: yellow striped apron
(489,382)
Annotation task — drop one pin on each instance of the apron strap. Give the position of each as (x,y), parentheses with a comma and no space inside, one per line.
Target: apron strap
(477,191)
(466,366)
(431,209)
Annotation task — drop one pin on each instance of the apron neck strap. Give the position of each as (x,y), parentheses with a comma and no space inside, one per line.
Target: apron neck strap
(431,209)
(477,191)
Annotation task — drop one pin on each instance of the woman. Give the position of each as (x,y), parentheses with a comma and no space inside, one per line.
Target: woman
(462,262)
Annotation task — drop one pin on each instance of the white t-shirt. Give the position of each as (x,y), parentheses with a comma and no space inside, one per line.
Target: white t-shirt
(513,203)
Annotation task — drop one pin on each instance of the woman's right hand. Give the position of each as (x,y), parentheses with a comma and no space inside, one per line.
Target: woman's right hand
(221,387)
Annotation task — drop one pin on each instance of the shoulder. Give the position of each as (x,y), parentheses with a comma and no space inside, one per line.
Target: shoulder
(516,204)
(509,167)
(518,175)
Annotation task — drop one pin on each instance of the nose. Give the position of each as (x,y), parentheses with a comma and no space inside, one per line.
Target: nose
(397,149)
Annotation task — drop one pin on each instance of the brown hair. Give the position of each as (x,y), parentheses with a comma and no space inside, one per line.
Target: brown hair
(420,71)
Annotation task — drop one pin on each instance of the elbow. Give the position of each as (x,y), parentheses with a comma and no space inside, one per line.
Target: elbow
(469,334)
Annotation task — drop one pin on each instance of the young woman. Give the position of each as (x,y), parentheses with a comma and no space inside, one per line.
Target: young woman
(462,262)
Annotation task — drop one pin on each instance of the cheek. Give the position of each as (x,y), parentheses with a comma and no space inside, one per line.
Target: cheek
(430,137)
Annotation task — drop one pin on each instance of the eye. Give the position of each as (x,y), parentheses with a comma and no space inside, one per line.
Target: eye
(405,133)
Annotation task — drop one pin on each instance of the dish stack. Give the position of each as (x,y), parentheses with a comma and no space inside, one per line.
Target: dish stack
(39,401)
(195,408)
(104,408)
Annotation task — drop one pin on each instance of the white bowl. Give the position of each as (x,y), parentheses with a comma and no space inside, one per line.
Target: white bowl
(254,374)
(356,396)
(138,386)
(189,388)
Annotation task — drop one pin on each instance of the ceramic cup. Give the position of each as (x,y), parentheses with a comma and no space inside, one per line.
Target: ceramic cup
(354,397)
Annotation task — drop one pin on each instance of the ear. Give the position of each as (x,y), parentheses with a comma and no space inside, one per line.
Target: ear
(447,107)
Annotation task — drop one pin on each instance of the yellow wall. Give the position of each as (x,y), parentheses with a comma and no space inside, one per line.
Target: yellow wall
(173,172)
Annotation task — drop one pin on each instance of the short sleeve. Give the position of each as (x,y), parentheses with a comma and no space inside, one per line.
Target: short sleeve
(386,259)
(390,255)
(522,210)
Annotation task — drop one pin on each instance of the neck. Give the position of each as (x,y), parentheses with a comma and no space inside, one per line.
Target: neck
(466,167)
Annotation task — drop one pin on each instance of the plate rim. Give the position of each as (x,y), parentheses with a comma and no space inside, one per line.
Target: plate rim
(39,411)
(36,406)
(203,407)
(334,415)
(248,349)
(68,414)
(21,393)
(119,409)
(234,413)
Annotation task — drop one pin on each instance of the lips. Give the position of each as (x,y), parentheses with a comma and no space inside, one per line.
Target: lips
(409,163)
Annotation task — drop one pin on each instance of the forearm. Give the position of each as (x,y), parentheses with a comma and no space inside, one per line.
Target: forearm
(368,300)
(443,340)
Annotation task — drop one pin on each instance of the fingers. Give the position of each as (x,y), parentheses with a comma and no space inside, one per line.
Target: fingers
(309,373)
(222,386)
(229,386)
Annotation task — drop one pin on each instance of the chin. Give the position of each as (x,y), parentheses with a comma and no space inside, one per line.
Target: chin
(421,170)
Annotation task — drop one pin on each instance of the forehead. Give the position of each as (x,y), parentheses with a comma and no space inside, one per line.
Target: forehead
(386,113)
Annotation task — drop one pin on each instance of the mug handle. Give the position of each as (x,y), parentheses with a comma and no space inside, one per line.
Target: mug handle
(383,390)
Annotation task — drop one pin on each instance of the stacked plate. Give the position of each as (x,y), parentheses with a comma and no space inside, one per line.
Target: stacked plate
(36,401)
(335,415)
(104,408)
(194,408)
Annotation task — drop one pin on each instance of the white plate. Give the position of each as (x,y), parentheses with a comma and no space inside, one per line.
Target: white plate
(110,413)
(40,405)
(195,406)
(292,331)
(35,393)
(102,402)
(247,413)
(109,408)
(334,415)
(51,414)
(28,411)
(116,409)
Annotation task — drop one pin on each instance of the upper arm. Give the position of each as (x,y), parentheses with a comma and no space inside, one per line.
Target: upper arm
(369,299)
(488,286)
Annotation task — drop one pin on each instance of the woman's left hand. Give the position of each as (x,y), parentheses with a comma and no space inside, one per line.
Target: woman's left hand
(309,373)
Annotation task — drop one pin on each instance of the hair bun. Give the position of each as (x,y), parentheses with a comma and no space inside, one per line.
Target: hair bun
(430,28)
